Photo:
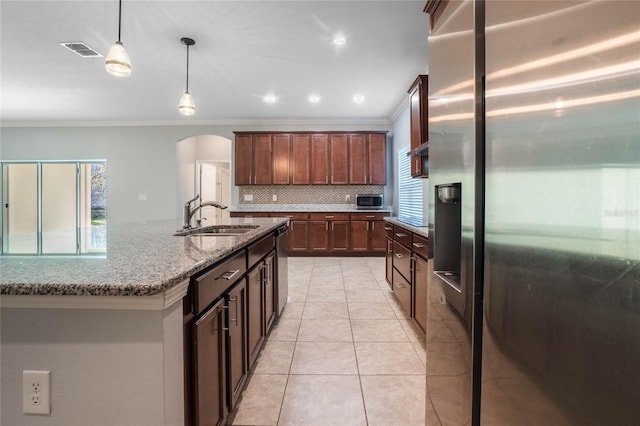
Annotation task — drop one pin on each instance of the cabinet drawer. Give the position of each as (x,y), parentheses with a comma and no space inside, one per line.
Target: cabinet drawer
(420,245)
(260,249)
(292,216)
(211,284)
(329,216)
(402,290)
(368,216)
(388,228)
(402,236)
(402,259)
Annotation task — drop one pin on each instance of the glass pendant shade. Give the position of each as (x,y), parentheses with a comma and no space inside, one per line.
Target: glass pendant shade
(187,107)
(117,61)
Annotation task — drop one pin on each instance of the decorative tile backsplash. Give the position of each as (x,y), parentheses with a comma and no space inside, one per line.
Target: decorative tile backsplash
(306,194)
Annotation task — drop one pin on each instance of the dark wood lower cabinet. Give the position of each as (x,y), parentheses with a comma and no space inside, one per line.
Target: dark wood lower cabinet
(236,300)
(340,236)
(420,278)
(359,236)
(298,235)
(268,273)
(209,365)
(389,261)
(255,336)
(318,236)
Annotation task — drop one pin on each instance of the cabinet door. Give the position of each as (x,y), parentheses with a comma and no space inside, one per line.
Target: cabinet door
(377,236)
(339,159)
(263,151)
(269,291)
(298,231)
(358,173)
(389,261)
(300,159)
(244,159)
(281,155)
(359,235)
(236,307)
(209,367)
(339,235)
(254,312)
(318,236)
(320,170)
(377,159)
(420,278)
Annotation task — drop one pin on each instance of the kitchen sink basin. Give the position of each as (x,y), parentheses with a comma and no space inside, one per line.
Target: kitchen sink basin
(213,231)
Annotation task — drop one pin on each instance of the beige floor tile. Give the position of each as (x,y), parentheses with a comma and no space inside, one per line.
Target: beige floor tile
(322,401)
(365,295)
(370,310)
(388,358)
(292,310)
(324,358)
(378,331)
(397,400)
(414,332)
(275,358)
(420,348)
(326,283)
(317,295)
(286,330)
(361,283)
(333,310)
(261,400)
(325,331)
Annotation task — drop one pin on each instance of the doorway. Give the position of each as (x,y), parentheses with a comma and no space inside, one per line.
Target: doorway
(213,184)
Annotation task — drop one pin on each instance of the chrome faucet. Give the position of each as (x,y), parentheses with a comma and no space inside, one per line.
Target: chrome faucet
(188,211)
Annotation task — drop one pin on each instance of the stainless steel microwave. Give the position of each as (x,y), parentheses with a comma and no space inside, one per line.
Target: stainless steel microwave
(369,201)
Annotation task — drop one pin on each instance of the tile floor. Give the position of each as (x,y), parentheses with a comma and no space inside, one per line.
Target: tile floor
(342,353)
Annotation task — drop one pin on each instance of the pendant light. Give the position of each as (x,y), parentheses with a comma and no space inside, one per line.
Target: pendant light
(187,107)
(117,61)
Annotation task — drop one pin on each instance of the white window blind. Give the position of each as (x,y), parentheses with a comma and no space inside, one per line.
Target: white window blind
(409,189)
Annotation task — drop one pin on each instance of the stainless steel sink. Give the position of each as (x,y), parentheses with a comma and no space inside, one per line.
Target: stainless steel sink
(215,231)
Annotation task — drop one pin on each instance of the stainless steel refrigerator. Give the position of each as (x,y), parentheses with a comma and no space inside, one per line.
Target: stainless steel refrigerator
(534,301)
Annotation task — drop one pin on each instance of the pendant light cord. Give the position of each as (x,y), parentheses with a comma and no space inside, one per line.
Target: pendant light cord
(187,68)
(119,18)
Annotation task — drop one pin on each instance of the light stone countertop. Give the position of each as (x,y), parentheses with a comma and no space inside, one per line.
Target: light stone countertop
(420,230)
(252,208)
(142,260)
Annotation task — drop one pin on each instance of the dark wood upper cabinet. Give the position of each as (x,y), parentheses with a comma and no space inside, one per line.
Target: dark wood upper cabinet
(367,159)
(377,159)
(358,159)
(419,119)
(308,158)
(300,159)
(320,170)
(281,156)
(339,156)
(250,148)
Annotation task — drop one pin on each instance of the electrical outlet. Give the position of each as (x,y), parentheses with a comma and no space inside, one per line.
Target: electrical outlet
(36,392)
(347,198)
(275,197)
(248,197)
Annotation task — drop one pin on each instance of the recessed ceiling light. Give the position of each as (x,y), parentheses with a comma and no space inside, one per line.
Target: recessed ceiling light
(358,99)
(269,99)
(314,99)
(339,40)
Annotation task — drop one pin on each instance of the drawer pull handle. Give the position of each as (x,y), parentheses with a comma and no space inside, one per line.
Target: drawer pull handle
(228,275)
(419,245)
(400,234)
(386,228)
(399,285)
(399,256)
(329,217)
(369,216)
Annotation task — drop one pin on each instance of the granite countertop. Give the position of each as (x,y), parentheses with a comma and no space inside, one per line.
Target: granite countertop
(241,208)
(141,260)
(420,230)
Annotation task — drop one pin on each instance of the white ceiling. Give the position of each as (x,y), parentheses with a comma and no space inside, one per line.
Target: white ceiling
(244,50)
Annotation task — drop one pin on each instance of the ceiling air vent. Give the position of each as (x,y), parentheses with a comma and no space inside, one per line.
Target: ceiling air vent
(81,49)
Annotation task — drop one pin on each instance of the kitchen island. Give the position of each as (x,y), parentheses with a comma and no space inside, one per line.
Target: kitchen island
(110,327)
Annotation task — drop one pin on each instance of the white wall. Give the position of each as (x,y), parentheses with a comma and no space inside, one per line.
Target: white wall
(108,367)
(140,159)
